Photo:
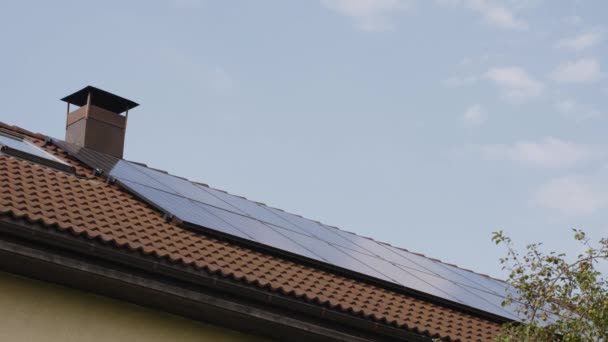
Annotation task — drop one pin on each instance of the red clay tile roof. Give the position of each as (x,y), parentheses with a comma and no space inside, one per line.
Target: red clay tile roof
(86,206)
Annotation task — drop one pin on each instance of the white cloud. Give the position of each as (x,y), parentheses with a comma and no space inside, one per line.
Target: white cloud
(582,41)
(475,115)
(575,110)
(566,106)
(515,83)
(492,13)
(370,15)
(220,79)
(496,15)
(579,71)
(549,152)
(570,196)
(574,20)
(459,81)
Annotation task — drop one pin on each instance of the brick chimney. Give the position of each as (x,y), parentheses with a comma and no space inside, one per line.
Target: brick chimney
(99,123)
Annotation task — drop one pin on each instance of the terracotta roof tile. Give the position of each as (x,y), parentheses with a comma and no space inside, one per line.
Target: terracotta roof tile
(85,205)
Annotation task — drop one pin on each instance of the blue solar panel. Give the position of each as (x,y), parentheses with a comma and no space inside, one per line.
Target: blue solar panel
(335,256)
(126,171)
(478,281)
(217,211)
(317,230)
(495,302)
(261,232)
(401,276)
(182,208)
(434,267)
(252,209)
(183,188)
(453,273)
(24,146)
(467,296)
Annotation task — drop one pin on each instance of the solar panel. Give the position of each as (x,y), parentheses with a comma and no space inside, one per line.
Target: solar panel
(250,208)
(182,208)
(27,147)
(232,216)
(126,171)
(468,296)
(336,257)
(432,266)
(478,281)
(317,230)
(433,284)
(182,187)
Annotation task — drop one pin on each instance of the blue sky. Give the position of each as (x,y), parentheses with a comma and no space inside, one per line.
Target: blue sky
(425,124)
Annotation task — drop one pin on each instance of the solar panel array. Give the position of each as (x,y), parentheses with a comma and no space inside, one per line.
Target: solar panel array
(215,210)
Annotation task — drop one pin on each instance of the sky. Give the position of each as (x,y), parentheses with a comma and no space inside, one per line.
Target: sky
(424,124)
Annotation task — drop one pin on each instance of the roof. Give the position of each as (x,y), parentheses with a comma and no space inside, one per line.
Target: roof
(85,206)
(100,98)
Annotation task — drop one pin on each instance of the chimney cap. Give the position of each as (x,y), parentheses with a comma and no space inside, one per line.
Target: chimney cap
(100,98)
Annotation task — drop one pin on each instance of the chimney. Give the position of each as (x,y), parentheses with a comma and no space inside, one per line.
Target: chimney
(99,123)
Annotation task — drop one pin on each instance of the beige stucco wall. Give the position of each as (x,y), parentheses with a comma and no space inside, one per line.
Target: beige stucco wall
(35,311)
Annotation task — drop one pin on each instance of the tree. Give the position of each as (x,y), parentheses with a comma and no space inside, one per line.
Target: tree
(559,299)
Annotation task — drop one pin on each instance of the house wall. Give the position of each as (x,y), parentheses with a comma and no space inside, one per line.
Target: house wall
(32,311)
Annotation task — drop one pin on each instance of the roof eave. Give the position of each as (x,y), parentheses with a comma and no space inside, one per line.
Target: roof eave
(31,241)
